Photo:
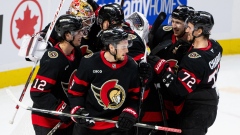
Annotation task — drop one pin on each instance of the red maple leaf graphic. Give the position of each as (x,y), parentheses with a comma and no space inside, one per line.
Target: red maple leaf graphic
(26,26)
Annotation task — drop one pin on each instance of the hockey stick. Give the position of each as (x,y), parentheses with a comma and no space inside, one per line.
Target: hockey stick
(80,116)
(51,26)
(55,128)
(24,90)
(161,102)
(34,67)
(161,17)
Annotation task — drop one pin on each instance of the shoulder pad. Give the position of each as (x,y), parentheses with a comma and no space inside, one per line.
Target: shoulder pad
(167,28)
(194,55)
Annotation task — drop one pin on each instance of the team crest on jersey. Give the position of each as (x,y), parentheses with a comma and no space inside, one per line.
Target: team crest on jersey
(110,95)
(53,54)
(65,85)
(85,50)
(131,36)
(88,55)
(167,28)
(194,55)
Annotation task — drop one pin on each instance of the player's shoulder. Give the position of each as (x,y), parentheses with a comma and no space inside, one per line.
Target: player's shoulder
(193,60)
(91,58)
(165,29)
(54,57)
(132,62)
(216,45)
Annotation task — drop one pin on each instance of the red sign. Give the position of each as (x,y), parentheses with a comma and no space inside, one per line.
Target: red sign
(26,20)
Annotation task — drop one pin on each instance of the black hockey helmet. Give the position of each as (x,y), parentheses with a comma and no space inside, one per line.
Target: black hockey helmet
(67,23)
(114,36)
(202,20)
(182,12)
(112,13)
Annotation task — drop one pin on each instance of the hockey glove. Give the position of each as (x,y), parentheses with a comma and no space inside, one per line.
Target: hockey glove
(63,107)
(145,71)
(180,48)
(127,119)
(86,122)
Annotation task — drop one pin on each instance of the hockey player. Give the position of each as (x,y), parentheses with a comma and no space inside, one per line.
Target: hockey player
(106,85)
(161,111)
(194,85)
(49,88)
(82,10)
(112,15)
(168,39)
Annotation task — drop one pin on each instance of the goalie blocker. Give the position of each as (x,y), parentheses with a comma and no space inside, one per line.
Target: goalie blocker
(33,48)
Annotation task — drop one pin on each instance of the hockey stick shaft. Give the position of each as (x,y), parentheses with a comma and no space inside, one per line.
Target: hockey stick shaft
(24,91)
(55,128)
(50,29)
(33,69)
(159,20)
(93,118)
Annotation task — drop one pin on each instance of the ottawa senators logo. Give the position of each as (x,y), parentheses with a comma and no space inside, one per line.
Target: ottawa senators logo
(110,95)
(194,55)
(53,54)
(167,28)
(68,85)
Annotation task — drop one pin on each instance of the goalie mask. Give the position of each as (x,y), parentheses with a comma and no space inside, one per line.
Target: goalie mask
(112,13)
(139,24)
(83,11)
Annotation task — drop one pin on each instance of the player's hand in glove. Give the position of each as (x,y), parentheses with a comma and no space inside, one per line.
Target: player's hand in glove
(161,66)
(63,107)
(86,122)
(127,119)
(180,48)
(145,71)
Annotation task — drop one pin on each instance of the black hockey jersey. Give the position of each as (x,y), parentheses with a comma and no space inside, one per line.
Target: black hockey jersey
(50,85)
(195,81)
(105,88)
(137,50)
(151,105)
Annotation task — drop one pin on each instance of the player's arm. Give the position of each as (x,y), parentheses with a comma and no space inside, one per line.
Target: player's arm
(46,78)
(133,94)
(186,80)
(80,84)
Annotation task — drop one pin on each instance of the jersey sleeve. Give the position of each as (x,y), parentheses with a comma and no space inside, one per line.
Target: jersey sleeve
(187,78)
(80,84)
(134,90)
(44,82)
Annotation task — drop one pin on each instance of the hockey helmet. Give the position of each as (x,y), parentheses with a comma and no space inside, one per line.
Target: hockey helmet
(112,13)
(202,20)
(67,23)
(182,12)
(84,11)
(114,36)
